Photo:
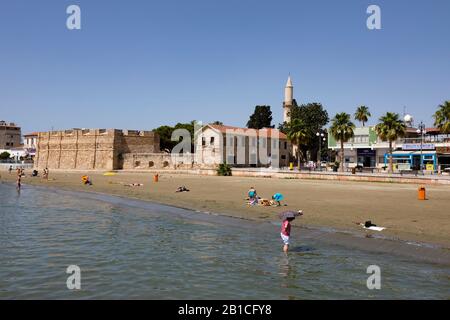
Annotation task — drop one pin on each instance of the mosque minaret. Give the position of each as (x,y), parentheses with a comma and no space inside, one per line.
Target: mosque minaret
(288,100)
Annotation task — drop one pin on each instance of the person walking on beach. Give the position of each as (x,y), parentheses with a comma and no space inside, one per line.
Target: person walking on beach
(10,169)
(286,233)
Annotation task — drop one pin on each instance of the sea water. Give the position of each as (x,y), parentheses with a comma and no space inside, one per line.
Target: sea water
(139,250)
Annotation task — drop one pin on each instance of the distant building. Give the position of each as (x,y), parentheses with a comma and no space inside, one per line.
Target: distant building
(30,143)
(10,135)
(366,149)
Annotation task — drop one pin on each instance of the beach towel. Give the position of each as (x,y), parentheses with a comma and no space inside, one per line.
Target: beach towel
(375,228)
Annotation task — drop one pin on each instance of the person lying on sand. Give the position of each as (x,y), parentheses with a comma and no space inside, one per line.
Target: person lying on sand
(134,185)
(369,225)
(182,189)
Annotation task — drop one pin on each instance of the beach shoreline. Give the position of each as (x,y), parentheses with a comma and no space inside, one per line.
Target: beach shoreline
(226,196)
(414,251)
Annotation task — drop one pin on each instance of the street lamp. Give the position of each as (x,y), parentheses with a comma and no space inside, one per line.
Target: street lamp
(321,137)
(421,130)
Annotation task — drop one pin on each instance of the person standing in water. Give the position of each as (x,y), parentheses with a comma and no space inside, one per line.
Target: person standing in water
(19,182)
(286,233)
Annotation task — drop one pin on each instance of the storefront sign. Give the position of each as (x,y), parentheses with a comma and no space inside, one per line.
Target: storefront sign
(366,152)
(417,146)
(443,149)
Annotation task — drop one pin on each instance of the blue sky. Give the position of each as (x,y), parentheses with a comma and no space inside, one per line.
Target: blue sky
(140,64)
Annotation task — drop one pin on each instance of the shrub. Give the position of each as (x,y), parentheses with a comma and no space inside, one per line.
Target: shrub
(224,170)
(4,155)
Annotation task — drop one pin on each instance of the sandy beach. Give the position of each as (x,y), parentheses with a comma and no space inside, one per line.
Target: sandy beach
(329,204)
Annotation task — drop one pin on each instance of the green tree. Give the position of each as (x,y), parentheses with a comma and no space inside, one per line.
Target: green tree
(362,114)
(217,123)
(390,129)
(5,155)
(297,133)
(261,118)
(165,135)
(442,117)
(314,117)
(342,129)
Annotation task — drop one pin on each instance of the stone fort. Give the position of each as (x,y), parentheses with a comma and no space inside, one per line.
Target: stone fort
(108,149)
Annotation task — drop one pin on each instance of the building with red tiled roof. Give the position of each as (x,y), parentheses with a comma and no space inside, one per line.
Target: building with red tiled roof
(242,147)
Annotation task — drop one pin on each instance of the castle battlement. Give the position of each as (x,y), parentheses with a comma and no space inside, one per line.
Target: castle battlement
(91,148)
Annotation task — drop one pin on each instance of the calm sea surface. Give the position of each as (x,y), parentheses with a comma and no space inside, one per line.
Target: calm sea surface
(147,251)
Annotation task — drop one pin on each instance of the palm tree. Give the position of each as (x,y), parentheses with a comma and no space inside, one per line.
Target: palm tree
(362,114)
(297,133)
(442,117)
(342,129)
(390,129)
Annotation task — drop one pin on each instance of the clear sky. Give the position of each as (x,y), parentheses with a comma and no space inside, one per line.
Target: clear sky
(140,64)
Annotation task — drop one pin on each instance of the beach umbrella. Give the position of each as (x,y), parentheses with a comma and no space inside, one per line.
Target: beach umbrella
(277,197)
(289,214)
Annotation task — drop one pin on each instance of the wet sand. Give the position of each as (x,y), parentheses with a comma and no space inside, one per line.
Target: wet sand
(326,204)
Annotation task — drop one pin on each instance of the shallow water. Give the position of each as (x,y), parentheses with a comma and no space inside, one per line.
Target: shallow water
(132,249)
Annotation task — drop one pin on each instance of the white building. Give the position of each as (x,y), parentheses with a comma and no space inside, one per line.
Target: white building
(241,147)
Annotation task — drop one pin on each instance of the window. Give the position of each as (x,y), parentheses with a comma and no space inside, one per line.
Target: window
(151,164)
(285,145)
(203,141)
(211,140)
(137,163)
(275,143)
(263,142)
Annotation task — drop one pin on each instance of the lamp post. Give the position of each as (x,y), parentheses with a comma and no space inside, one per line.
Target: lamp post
(321,137)
(421,130)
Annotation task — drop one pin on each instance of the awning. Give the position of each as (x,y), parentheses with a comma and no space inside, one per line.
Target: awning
(408,153)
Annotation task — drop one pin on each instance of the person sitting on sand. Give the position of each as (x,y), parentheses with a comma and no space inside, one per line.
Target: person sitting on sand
(45,176)
(86,180)
(182,189)
(276,199)
(252,196)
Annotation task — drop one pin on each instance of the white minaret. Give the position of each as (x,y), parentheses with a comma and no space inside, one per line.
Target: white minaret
(288,98)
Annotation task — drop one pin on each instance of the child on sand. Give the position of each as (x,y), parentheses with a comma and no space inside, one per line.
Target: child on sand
(252,196)
(286,233)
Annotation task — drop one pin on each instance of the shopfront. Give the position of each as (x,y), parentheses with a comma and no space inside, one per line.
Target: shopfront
(366,157)
(411,160)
